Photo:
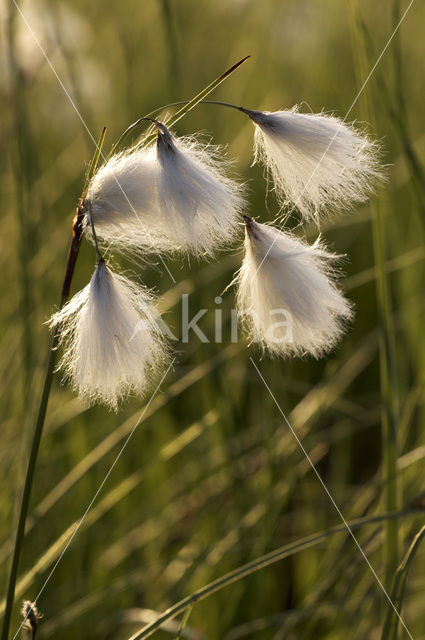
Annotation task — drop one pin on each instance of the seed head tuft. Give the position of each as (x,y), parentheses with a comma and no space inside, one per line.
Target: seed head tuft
(31,616)
(318,163)
(287,298)
(112,340)
(173,196)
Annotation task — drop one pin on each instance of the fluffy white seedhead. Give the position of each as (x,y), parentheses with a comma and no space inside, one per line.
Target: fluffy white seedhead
(122,198)
(171,197)
(317,162)
(287,298)
(112,343)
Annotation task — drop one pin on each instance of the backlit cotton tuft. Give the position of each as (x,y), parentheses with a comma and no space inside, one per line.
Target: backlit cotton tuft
(286,298)
(174,196)
(122,198)
(111,339)
(317,162)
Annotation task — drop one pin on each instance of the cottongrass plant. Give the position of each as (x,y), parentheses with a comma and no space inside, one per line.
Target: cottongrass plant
(286,296)
(173,195)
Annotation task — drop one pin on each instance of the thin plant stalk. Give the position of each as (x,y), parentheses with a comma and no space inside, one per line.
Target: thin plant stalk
(387,360)
(203,94)
(220,103)
(188,105)
(389,421)
(20,532)
(183,623)
(77,234)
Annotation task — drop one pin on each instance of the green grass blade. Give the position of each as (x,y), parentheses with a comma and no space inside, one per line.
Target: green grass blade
(184,623)
(389,631)
(203,94)
(387,355)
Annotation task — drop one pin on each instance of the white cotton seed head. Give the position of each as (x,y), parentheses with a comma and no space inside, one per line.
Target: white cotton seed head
(287,298)
(112,342)
(317,162)
(171,197)
(122,198)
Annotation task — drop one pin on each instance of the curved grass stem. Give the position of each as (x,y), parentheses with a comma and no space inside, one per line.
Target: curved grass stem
(77,235)
(254,566)
(20,531)
(387,355)
(35,445)
(389,631)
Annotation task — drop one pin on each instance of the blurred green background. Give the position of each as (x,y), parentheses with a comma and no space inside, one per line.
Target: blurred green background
(213,477)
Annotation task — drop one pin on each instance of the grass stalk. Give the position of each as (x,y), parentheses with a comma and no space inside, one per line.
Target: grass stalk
(389,631)
(20,531)
(35,445)
(188,105)
(203,94)
(389,421)
(77,229)
(387,359)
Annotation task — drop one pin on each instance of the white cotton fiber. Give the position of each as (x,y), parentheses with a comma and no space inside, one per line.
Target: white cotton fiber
(174,196)
(318,163)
